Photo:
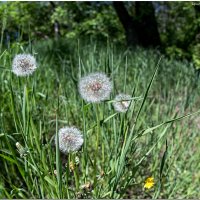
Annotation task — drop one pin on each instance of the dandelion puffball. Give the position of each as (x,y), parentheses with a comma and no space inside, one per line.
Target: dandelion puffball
(95,87)
(70,139)
(122,102)
(23,64)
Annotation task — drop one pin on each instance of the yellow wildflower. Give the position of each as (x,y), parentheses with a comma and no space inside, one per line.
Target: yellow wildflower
(149,183)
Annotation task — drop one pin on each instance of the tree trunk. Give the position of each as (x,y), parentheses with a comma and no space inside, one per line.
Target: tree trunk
(141,29)
(127,22)
(147,29)
(197,13)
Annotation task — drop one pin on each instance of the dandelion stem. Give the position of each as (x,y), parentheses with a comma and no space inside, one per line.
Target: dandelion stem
(76,175)
(97,143)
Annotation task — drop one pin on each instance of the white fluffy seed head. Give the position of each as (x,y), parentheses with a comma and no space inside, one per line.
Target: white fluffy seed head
(95,87)
(122,102)
(23,64)
(70,139)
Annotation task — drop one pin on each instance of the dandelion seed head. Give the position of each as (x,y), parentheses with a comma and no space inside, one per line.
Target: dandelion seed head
(23,64)
(122,102)
(70,139)
(95,87)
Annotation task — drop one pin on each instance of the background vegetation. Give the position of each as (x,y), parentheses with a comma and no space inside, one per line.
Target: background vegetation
(177,23)
(69,40)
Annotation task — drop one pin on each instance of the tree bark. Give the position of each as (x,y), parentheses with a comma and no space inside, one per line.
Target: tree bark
(197,13)
(146,24)
(141,29)
(127,22)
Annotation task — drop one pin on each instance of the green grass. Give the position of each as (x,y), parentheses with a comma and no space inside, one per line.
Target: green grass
(120,150)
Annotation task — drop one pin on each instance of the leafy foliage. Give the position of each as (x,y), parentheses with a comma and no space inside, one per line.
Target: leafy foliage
(75,19)
(179,28)
(178,23)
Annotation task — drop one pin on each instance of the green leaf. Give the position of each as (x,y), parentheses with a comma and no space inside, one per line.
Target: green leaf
(111,116)
(8,158)
(163,161)
(58,163)
(144,132)
(147,91)
(50,181)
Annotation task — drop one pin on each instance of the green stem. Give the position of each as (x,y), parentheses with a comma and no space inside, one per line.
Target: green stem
(97,144)
(76,175)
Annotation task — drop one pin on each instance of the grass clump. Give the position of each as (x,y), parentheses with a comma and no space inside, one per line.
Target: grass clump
(120,149)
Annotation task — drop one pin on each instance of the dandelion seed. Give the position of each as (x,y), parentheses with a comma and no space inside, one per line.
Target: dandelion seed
(70,139)
(122,102)
(23,64)
(95,87)
(149,183)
